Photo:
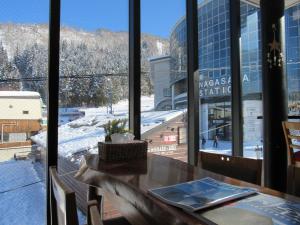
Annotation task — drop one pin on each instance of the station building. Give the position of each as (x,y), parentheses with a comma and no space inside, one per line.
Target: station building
(215,67)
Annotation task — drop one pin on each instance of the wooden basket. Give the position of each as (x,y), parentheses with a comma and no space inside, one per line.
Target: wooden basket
(110,152)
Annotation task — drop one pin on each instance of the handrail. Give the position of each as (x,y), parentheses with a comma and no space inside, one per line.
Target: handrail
(207,131)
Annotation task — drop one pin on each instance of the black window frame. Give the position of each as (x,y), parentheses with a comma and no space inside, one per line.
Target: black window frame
(135,80)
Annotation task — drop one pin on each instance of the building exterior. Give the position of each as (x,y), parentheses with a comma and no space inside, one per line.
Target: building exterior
(215,67)
(67,115)
(160,75)
(20,116)
(292,21)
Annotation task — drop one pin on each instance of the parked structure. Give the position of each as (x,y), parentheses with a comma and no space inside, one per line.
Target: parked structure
(160,75)
(20,116)
(67,115)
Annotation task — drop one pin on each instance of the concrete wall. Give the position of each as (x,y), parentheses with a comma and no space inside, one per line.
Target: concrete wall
(20,108)
(253,127)
(160,74)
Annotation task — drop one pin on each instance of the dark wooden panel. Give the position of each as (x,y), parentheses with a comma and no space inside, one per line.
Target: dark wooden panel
(274,90)
(135,68)
(293,180)
(192,81)
(237,167)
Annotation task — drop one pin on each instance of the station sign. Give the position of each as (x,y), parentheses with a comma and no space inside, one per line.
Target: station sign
(218,86)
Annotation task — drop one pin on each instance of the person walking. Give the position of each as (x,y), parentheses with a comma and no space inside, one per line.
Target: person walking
(203,141)
(216,140)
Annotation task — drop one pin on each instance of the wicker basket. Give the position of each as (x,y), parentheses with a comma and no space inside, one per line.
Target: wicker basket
(121,152)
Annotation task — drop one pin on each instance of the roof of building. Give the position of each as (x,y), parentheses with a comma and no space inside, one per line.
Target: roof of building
(288,4)
(19,94)
(159,58)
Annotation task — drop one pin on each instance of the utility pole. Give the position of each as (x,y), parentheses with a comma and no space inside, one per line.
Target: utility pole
(110,109)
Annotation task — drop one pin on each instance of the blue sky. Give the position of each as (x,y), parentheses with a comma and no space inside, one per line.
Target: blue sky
(158,16)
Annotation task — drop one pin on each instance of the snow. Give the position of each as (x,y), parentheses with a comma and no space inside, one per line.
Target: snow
(68,114)
(19,94)
(24,205)
(84,134)
(23,194)
(159,47)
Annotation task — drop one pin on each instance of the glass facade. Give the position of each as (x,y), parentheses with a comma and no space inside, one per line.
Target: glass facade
(250,48)
(215,72)
(170,138)
(250,51)
(292,24)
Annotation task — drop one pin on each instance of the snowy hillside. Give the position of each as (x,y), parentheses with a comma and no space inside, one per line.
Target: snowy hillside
(86,61)
(84,134)
(19,36)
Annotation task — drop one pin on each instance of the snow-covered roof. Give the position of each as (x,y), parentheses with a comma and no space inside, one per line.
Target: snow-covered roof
(19,94)
(159,58)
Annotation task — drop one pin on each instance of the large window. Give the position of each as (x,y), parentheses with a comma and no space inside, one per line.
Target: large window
(251,80)
(164,77)
(292,28)
(23,114)
(215,76)
(251,72)
(93,84)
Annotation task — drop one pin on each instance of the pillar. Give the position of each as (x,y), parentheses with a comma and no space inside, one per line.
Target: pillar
(274,93)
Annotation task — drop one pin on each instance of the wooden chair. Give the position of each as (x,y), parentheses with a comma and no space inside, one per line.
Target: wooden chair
(292,137)
(93,213)
(95,197)
(245,169)
(64,210)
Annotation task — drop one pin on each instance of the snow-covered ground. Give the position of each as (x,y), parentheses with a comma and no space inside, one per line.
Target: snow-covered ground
(19,203)
(85,133)
(23,194)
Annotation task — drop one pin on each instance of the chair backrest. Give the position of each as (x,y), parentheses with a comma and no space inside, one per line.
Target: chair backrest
(94,217)
(245,169)
(64,210)
(292,137)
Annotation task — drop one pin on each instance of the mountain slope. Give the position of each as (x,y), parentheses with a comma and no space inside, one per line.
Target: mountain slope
(82,53)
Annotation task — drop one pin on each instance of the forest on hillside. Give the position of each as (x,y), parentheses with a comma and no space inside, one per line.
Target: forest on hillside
(93,66)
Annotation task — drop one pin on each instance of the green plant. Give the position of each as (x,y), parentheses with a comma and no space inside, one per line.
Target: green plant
(114,126)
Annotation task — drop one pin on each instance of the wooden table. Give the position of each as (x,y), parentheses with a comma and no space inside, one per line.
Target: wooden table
(126,185)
